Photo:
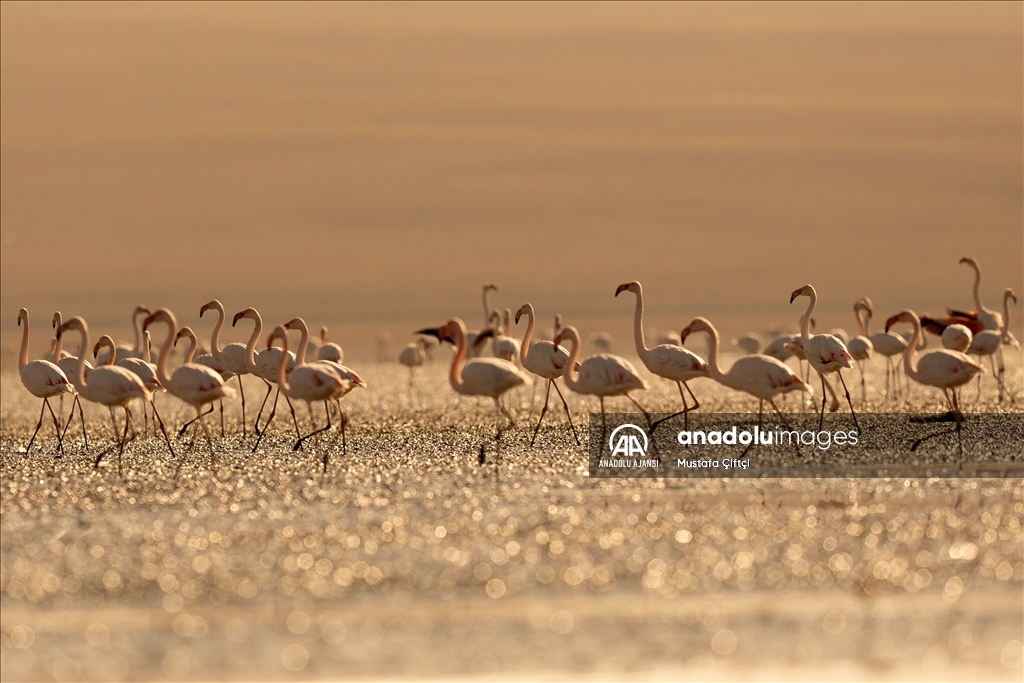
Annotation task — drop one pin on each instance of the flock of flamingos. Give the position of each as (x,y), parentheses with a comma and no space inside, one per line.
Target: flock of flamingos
(126,373)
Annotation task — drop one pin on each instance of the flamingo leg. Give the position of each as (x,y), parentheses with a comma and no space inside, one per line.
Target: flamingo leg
(241,392)
(206,432)
(567,414)
(113,424)
(39,424)
(273,411)
(152,402)
(124,438)
(221,418)
(639,407)
(604,424)
(547,395)
(256,425)
(298,444)
(863,385)
(56,427)
(184,427)
(685,412)
(848,401)
(81,417)
(954,407)
(821,418)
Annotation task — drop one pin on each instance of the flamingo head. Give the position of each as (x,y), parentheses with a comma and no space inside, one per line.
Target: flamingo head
(490,287)
(215,305)
(139,310)
(76,323)
(22,314)
(162,315)
(628,287)
(1010,294)
(806,290)
(184,332)
(55,322)
(323,335)
(696,325)
(247,313)
(971,261)
(295,324)
(567,332)
(863,305)
(904,316)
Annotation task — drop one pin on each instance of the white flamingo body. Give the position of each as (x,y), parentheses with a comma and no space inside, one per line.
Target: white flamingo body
(942,368)
(42,379)
(146,372)
(601,375)
(779,348)
(957,337)
(749,343)
(412,356)
(194,384)
(328,350)
(349,378)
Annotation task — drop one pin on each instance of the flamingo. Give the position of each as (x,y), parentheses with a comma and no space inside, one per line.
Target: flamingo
(413,355)
(194,384)
(123,350)
(888,344)
(307,382)
(670,361)
(206,360)
(796,347)
(860,347)
(601,375)
(602,341)
(505,347)
(988,342)
(779,347)
(107,385)
(231,356)
(750,343)
(957,337)
(825,352)
(489,377)
(763,377)
(140,367)
(44,380)
(544,359)
(328,350)
(262,365)
(942,368)
(349,379)
(68,364)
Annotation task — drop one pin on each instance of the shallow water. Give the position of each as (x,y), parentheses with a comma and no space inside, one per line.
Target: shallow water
(407,558)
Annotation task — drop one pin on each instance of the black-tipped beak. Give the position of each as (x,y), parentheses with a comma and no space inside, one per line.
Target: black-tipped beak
(519,314)
(147,322)
(96,351)
(202,310)
(621,289)
(793,296)
(238,316)
(684,334)
(889,323)
(434,332)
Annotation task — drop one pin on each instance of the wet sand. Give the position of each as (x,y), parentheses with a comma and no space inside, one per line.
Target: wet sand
(406,559)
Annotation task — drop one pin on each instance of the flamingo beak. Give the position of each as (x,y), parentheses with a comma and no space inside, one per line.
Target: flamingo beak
(519,313)
(145,323)
(558,339)
(891,321)
(621,289)
(793,296)
(96,351)
(204,309)
(238,316)
(684,334)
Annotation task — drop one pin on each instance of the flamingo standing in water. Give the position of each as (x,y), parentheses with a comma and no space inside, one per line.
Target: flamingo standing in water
(988,342)
(763,377)
(825,352)
(886,343)
(672,362)
(544,359)
(196,385)
(262,365)
(107,385)
(601,375)
(231,356)
(44,380)
(413,356)
(489,377)
(349,379)
(860,347)
(307,382)
(140,367)
(942,368)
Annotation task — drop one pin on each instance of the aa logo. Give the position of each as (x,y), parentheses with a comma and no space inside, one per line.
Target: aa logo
(627,444)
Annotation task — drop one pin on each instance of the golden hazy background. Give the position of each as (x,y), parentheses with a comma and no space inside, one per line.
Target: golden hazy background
(369,166)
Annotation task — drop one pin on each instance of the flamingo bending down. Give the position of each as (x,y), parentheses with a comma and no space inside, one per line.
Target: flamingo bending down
(942,368)
(601,375)
(988,342)
(349,379)
(307,382)
(44,380)
(231,356)
(763,377)
(107,385)
(544,359)
(328,350)
(489,377)
(672,362)
(262,365)
(140,367)
(860,347)
(886,343)
(123,350)
(194,384)
(825,352)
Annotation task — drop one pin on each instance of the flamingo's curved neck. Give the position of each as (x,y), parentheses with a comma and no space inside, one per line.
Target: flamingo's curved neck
(524,348)
(138,332)
(805,321)
(487,305)
(570,380)
(713,370)
(977,286)
(282,369)
(191,353)
(108,342)
(23,356)
(80,369)
(59,346)
(145,347)
(1006,316)
(300,353)
(215,337)
(250,347)
(638,325)
(908,354)
(455,374)
(165,353)
(862,321)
